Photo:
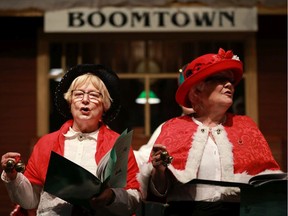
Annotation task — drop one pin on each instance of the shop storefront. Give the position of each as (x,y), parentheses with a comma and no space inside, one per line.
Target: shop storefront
(146,45)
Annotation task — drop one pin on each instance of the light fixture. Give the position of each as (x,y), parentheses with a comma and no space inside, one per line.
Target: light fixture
(56,74)
(152,98)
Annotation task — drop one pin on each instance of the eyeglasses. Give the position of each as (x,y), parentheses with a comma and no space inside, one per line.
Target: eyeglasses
(220,79)
(93,96)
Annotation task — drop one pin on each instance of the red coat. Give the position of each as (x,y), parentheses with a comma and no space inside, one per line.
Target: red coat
(38,162)
(243,150)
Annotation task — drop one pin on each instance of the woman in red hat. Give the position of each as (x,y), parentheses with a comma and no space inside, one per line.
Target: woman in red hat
(88,96)
(212,144)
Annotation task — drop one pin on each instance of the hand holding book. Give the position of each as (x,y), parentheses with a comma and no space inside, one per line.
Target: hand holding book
(76,185)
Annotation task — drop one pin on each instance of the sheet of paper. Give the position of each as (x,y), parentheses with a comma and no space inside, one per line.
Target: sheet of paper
(118,177)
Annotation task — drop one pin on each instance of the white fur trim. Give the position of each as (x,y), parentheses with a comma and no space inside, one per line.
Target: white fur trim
(196,152)
(194,156)
(270,172)
(242,177)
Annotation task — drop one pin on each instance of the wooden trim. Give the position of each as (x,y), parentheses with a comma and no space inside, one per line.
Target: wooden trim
(147,109)
(40,13)
(165,75)
(251,80)
(22,13)
(42,88)
(272,10)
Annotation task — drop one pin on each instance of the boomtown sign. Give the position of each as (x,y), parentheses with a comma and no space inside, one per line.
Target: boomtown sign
(188,19)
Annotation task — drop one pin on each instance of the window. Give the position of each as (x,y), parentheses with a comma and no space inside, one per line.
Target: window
(146,62)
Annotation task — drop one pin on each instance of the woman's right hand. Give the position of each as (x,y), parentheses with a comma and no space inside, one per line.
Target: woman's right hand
(160,157)
(6,161)
(159,163)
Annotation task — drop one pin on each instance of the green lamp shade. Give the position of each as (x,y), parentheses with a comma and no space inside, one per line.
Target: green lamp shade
(152,98)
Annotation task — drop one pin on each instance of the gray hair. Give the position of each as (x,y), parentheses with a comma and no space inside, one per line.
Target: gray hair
(193,96)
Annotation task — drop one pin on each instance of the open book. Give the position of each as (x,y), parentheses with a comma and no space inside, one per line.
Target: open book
(255,181)
(76,185)
(263,195)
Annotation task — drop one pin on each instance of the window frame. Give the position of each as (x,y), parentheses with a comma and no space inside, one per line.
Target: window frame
(43,104)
